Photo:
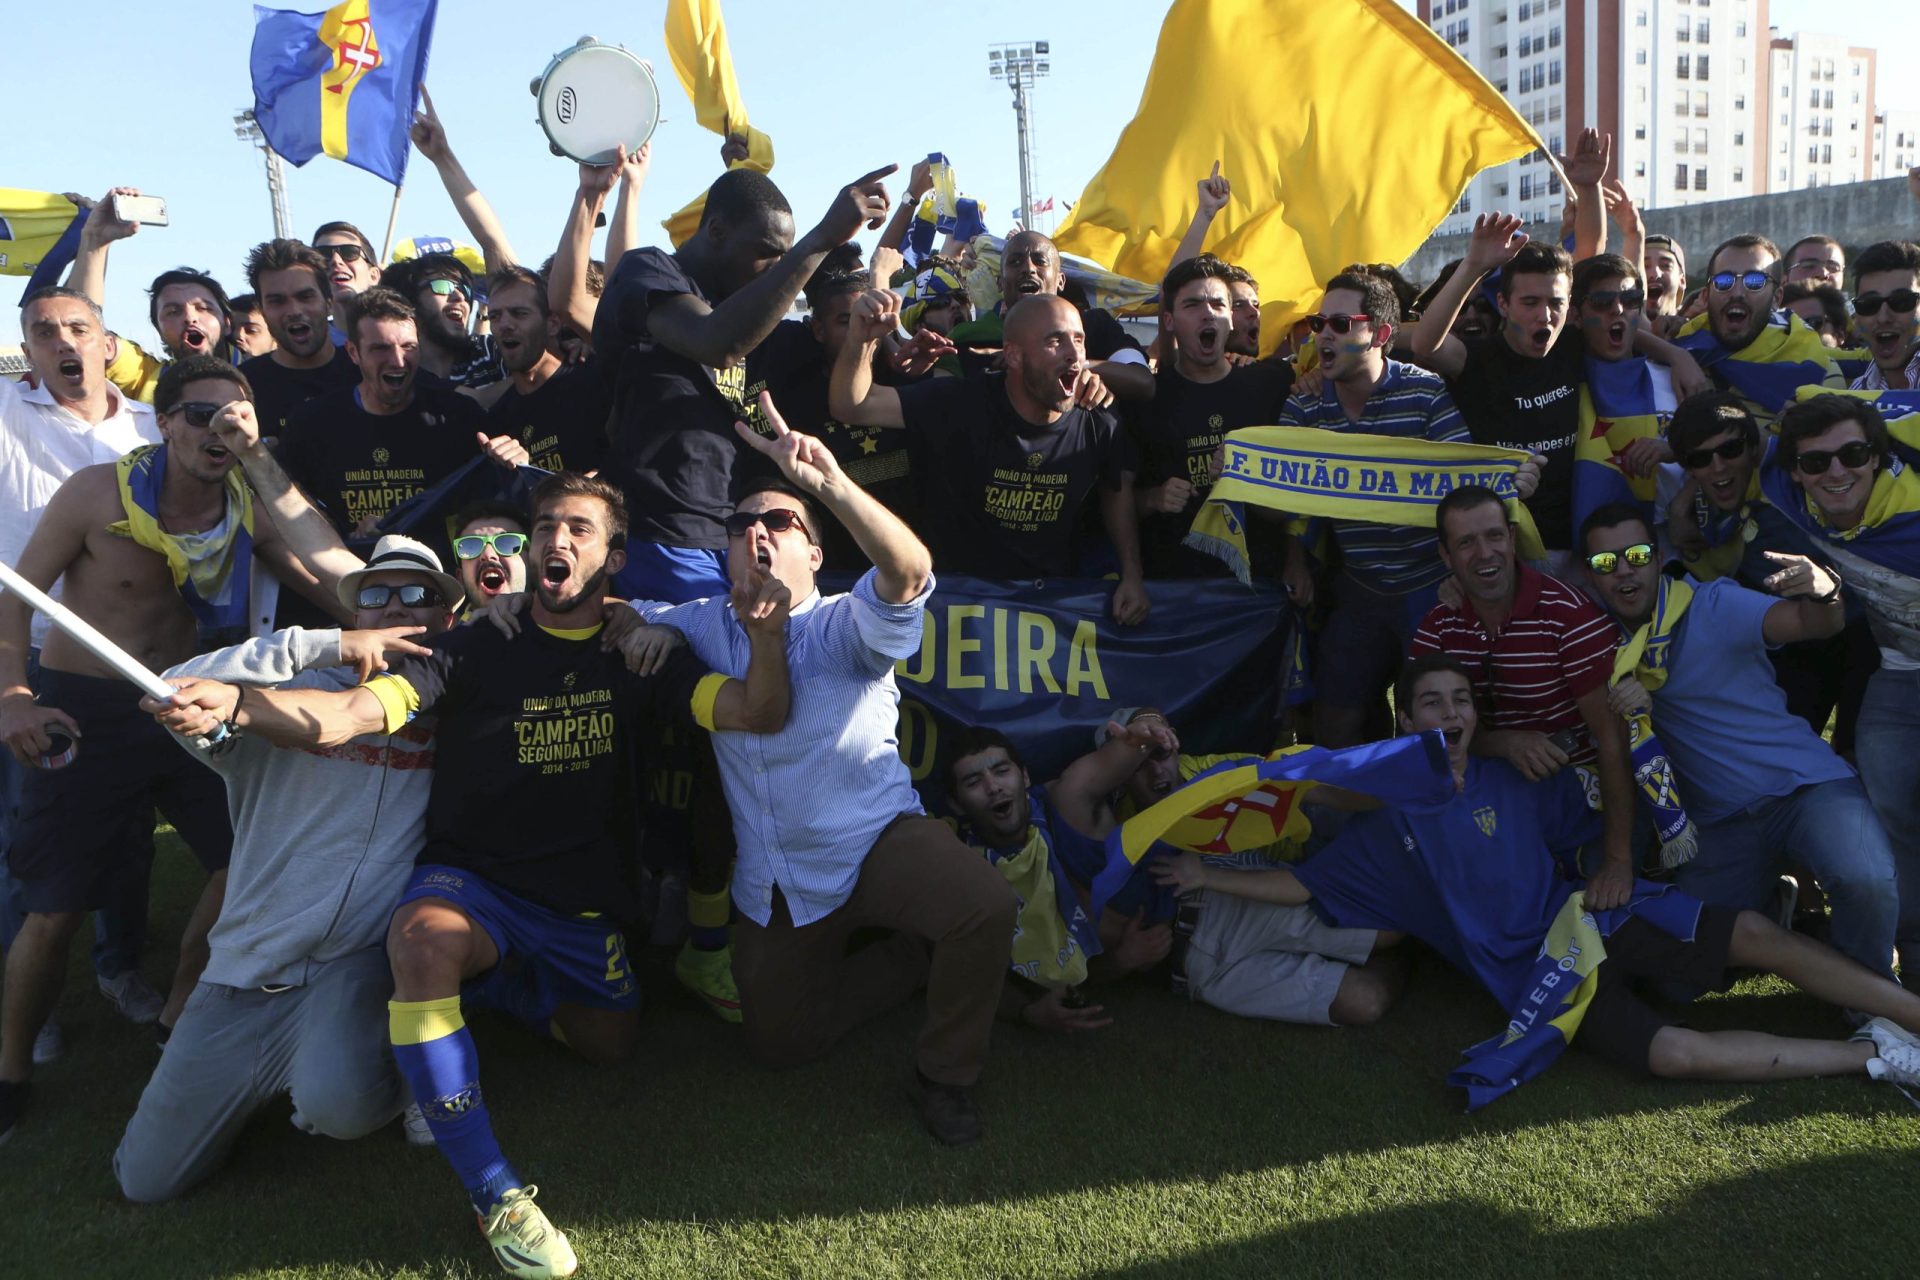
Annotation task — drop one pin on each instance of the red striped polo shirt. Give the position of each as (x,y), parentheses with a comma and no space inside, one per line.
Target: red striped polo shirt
(1555,647)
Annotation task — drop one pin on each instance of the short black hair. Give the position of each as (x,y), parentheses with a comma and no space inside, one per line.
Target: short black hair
(50,291)
(1535,258)
(976,738)
(187,275)
(490,509)
(285,255)
(1405,291)
(176,374)
(513,273)
(1608,515)
(1700,418)
(415,274)
(1203,266)
(245,302)
(344,228)
(1827,241)
(1887,255)
(1237,274)
(1745,240)
(1464,498)
(764,482)
(1603,266)
(1804,419)
(743,196)
(1833,303)
(1377,298)
(1418,669)
(839,272)
(377,303)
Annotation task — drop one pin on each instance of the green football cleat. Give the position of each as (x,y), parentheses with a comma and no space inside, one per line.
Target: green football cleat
(524,1243)
(709,975)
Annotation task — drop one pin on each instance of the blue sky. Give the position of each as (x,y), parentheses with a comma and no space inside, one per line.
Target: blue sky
(839,90)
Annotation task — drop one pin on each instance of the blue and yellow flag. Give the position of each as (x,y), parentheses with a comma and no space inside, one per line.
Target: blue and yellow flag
(210,569)
(1889,533)
(1243,804)
(33,227)
(1616,409)
(1770,370)
(1328,95)
(343,82)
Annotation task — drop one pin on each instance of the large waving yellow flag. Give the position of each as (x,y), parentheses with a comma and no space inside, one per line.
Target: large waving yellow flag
(697,47)
(1351,131)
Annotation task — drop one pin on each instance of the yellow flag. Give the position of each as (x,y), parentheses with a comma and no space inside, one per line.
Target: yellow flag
(31,223)
(1351,132)
(697,47)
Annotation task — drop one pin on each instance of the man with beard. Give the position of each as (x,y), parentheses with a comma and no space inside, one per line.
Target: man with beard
(557,411)
(1005,462)
(154,550)
(1764,791)
(1886,310)
(675,330)
(441,290)
(1665,264)
(489,546)
(1544,655)
(361,452)
(1198,397)
(250,335)
(290,280)
(1742,294)
(521,891)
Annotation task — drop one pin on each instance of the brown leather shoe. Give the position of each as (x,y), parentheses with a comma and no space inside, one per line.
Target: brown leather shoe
(947,1110)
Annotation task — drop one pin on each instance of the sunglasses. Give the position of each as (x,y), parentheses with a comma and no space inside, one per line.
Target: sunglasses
(441,288)
(1637,556)
(412,595)
(1695,459)
(1751,281)
(344,252)
(1902,301)
(198,413)
(1629,299)
(1339,324)
(474,545)
(1854,453)
(777,521)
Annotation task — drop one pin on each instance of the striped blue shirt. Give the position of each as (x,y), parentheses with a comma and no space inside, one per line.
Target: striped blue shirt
(1407,402)
(809,801)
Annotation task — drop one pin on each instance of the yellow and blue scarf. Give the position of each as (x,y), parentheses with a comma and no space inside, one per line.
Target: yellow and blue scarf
(1616,409)
(1767,372)
(1053,935)
(1310,471)
(210,570)
(1727,533)
(1889,533)
(1645,656)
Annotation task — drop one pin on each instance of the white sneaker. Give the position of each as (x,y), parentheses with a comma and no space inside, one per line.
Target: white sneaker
(419,1134)
(1897,1051)
(51,1044)
(137,1002)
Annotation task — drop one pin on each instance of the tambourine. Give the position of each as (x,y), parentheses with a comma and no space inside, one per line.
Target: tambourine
(593,99)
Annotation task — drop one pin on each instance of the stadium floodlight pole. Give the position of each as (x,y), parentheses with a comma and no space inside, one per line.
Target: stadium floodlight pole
(1020,65)
(247,130)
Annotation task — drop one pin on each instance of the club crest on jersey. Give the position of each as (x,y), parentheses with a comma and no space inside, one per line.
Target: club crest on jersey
(380,457)
(1035,458)
(566,681)
(1486,819)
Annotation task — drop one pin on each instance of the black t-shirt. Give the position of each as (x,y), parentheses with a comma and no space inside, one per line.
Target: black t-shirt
(1003,497)
(1508,399)
(794,367)
(671,444)
(1175,435)
(353,463)
(535,759)
(278,390)
(563,423)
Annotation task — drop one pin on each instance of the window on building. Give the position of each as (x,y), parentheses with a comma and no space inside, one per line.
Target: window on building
(1640,93)
(1679,179)
(1526,11)
(1463,28)
(1699,142)
(1739,102)
(1826,153)
(1553,71)
(1553,184)
(1813,155)
(1856,97)
(1553,38)
(1786,90)
(1680,142)
(1639,57)
(1684,35)
(1699,180)
(1683,67)
(1500,190)
(1700,67)
(1526,45)
(1700,103)
(1499,51)
(1640,18)
(1739,139)
(1740,30)
(1553,110)
(1828,104)
(1526,79)
(1526,187)
(1739,174)
(1781,174)
(1703,33)
(1813,98)
(1856,69)
(1639,133)
(1639,168)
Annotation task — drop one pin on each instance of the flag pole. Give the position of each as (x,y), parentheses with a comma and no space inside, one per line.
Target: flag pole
(393,216)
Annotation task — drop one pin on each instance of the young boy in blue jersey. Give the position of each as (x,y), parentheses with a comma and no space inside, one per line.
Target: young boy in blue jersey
(1478,879)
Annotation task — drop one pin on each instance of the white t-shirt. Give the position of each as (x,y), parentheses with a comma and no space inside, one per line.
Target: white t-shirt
(42,443)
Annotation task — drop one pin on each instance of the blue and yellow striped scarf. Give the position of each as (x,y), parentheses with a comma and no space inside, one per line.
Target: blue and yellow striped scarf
(211,569)
(1889,533)
(1645,656)
(1767,372)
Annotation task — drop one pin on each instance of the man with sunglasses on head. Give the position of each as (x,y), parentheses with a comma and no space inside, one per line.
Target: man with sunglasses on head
(294,995)
(1764,791)
(831,835)
(442,292)
(1857,499)
(489,547)
(1886,315)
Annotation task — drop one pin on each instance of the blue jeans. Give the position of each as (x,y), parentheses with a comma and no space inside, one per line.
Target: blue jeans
(1887,743)
(1828,827)
(119,931)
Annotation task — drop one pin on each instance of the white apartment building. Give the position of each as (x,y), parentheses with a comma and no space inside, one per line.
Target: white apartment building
(1820,104)
(1896,143)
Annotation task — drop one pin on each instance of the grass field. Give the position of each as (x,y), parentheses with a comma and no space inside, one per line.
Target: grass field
(1178,1142)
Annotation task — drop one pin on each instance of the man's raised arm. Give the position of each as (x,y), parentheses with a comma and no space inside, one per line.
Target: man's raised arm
(1496,238)
(1084,792)
(852,396)
(305,536)
(430,137)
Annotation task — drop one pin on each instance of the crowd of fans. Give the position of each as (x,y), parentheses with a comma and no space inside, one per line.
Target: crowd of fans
(423,793)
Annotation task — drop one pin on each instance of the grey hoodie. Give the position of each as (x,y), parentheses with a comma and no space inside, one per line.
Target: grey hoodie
(323,837)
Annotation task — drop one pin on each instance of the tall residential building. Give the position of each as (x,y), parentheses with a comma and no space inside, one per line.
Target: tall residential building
(1678,83)
(1821,106)
(1896,142)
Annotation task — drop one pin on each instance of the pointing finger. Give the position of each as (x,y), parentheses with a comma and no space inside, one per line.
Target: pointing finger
(876,175)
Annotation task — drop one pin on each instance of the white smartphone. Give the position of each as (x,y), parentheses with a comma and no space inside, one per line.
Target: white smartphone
(148,210)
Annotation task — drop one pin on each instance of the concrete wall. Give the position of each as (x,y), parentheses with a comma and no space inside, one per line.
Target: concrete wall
(1857,215)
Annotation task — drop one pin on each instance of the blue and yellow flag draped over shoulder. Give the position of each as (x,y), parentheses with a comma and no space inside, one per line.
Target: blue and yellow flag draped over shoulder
(1770,370)
(1310,471)
(1328,95)
(1889,533)
(210,569)
(1240,805)
(343,82)
(1616,409)
(702,59)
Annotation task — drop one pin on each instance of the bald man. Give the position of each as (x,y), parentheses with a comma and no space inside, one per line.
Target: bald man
(1005,462)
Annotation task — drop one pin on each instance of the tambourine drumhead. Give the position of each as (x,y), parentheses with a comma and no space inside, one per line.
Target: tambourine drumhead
(595,97)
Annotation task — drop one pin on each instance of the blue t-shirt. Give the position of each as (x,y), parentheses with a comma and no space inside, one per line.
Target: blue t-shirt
(1478,879)
(1723,717)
